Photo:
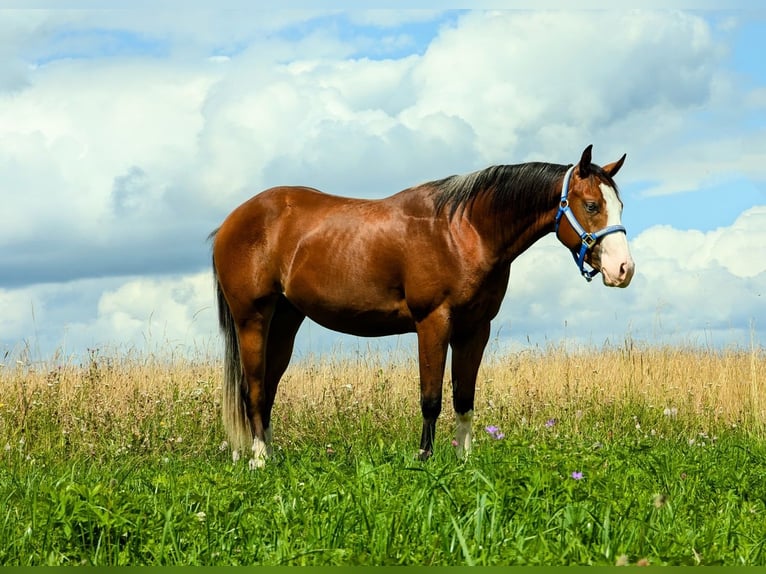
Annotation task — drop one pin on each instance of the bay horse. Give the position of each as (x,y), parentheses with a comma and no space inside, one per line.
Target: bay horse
(433,259)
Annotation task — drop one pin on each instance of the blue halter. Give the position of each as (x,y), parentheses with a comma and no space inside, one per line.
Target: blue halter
(587,240)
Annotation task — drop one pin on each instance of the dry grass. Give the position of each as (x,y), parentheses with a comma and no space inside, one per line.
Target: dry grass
(138,401)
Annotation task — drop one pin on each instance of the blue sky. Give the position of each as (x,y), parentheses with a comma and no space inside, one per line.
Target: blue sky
(127,135)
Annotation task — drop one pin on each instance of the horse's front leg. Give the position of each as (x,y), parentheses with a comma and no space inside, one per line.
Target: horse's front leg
(467,352)
(433,337)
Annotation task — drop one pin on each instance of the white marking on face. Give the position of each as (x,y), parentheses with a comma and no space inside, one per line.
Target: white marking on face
(463,435)
(616,262)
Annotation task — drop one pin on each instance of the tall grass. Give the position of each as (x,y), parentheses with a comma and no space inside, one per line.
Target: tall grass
(616,454)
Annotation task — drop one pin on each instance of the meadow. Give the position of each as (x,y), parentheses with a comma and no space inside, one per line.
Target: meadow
(616,455)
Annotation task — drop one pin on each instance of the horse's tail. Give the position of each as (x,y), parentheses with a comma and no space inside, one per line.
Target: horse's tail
(234,415)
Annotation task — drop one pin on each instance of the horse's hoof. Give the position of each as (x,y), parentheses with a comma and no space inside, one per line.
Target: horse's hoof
(423,454)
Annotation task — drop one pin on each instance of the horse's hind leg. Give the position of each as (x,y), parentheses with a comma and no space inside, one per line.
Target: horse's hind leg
(253,335)
(284,326)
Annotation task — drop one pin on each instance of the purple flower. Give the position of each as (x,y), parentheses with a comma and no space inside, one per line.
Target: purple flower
(491,429)
(577,475)
(550,423)
(494,432)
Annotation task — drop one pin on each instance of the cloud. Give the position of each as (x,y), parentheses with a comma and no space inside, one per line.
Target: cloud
(171,313)
(533,83)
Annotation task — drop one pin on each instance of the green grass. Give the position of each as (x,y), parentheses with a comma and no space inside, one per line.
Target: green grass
(345,490)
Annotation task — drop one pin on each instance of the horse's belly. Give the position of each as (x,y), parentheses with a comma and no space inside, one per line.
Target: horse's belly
(363,323)
(356,311)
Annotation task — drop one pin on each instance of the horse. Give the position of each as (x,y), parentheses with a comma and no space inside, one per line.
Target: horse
(433,259)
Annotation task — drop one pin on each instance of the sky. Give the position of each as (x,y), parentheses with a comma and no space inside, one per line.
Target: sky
(128,134)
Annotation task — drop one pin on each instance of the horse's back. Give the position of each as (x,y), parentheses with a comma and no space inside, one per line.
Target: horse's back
(336,259)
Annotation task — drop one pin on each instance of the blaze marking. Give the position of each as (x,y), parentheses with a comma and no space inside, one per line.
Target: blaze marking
(614,247)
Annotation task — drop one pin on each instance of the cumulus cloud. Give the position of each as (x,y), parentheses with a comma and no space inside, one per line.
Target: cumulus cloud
(160,314)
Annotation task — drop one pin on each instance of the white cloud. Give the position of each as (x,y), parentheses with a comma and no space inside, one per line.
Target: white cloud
(534,82)
(170,313)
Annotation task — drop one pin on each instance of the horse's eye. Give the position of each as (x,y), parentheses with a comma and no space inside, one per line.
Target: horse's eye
(591,207)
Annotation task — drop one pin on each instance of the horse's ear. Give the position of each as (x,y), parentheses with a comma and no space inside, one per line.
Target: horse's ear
(612,168)
(584,167)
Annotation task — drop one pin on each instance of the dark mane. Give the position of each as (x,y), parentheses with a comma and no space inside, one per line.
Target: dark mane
(509,185)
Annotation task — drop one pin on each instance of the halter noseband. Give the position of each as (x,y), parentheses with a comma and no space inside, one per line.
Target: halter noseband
(587,240)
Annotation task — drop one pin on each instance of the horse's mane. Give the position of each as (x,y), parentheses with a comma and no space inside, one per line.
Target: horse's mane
(521,184)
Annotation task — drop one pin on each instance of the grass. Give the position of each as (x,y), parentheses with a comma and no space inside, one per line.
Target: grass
(619,455)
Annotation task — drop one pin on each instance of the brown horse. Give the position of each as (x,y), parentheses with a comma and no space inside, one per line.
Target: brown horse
(433,259)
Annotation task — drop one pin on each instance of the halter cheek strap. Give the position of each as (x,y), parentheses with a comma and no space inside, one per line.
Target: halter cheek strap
(587,240)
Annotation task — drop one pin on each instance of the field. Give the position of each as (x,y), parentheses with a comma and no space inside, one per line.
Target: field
(624,455)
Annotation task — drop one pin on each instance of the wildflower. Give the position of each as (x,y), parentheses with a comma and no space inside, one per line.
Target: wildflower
(223,446)
(577,475)
(670,412)
(201,516)
(622,560)
(494,432)
(660,500)
(454,442)
(550,423)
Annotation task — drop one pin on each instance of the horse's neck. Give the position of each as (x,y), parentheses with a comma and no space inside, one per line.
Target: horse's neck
(510,231)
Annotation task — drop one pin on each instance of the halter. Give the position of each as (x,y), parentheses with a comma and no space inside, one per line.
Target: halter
(587,240)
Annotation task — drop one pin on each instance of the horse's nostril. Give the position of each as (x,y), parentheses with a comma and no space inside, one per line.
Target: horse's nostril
(626,270)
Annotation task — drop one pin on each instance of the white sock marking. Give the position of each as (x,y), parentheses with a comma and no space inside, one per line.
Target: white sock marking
(260,454)
(464,435)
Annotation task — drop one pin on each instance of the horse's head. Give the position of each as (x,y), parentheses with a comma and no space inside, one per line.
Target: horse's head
(588,221)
